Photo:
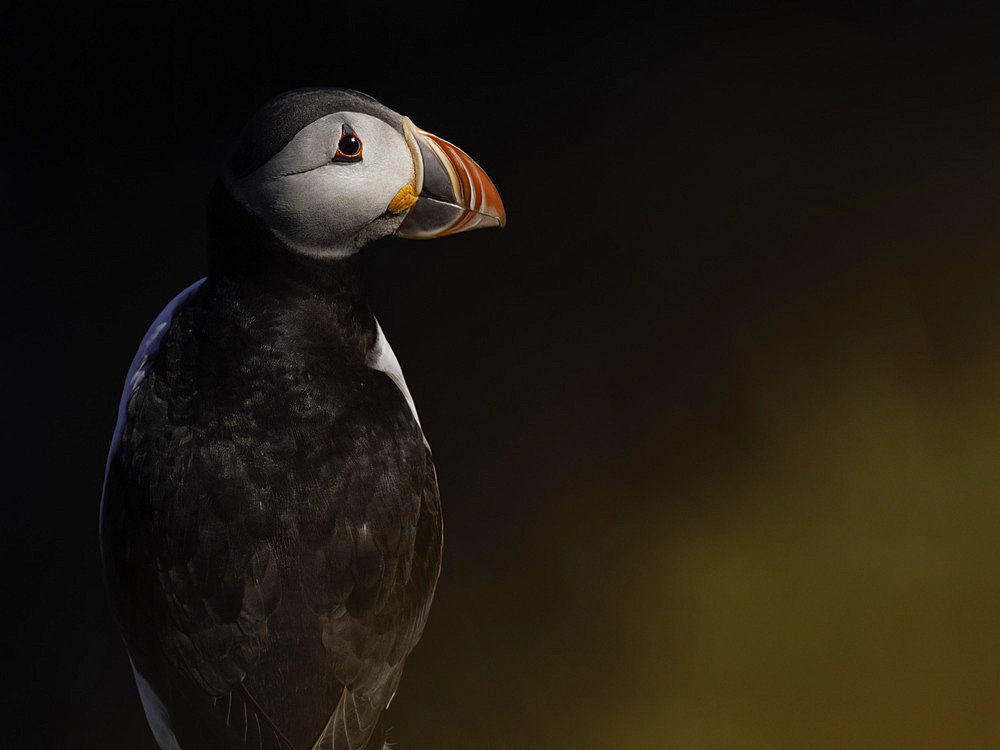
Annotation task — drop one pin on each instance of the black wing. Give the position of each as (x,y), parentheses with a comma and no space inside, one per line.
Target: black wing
(271,551)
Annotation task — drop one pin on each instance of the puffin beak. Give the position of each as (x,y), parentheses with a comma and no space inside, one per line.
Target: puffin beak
(452,192)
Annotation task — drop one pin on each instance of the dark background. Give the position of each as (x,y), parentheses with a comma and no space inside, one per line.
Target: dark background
(716,417)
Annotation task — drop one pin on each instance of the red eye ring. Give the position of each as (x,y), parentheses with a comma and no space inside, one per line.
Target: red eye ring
(349,147)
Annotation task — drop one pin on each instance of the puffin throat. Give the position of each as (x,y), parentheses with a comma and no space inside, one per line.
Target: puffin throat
(242,247)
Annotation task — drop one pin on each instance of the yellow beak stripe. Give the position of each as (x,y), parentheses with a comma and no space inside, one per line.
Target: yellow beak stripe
(403,200)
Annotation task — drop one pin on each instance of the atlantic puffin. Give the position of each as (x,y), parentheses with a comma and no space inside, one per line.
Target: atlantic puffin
(270,523)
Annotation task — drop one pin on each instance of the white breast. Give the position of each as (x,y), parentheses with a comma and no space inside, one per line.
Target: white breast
(382,358)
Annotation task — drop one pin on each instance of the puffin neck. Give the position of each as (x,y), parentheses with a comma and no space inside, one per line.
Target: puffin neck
(322,299)
(243,249)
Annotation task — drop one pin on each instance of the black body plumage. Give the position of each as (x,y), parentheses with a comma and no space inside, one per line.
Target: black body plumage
(271,526)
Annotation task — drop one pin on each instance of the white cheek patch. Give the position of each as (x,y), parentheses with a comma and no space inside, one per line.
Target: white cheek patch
(321,207)
(314,209)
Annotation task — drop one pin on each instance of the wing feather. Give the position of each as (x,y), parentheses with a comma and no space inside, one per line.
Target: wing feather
(270,585)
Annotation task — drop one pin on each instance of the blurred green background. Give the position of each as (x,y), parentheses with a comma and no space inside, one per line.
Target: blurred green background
(716,418)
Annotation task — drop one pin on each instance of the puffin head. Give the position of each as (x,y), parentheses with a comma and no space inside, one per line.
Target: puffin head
(329,170)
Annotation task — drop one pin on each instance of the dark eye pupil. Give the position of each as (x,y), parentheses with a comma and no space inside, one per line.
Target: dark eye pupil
(349,145)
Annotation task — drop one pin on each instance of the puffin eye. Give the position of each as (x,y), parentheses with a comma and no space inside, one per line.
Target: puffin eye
(349,146)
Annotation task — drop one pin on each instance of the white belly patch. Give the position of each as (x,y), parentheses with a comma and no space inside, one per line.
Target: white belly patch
(156,713)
